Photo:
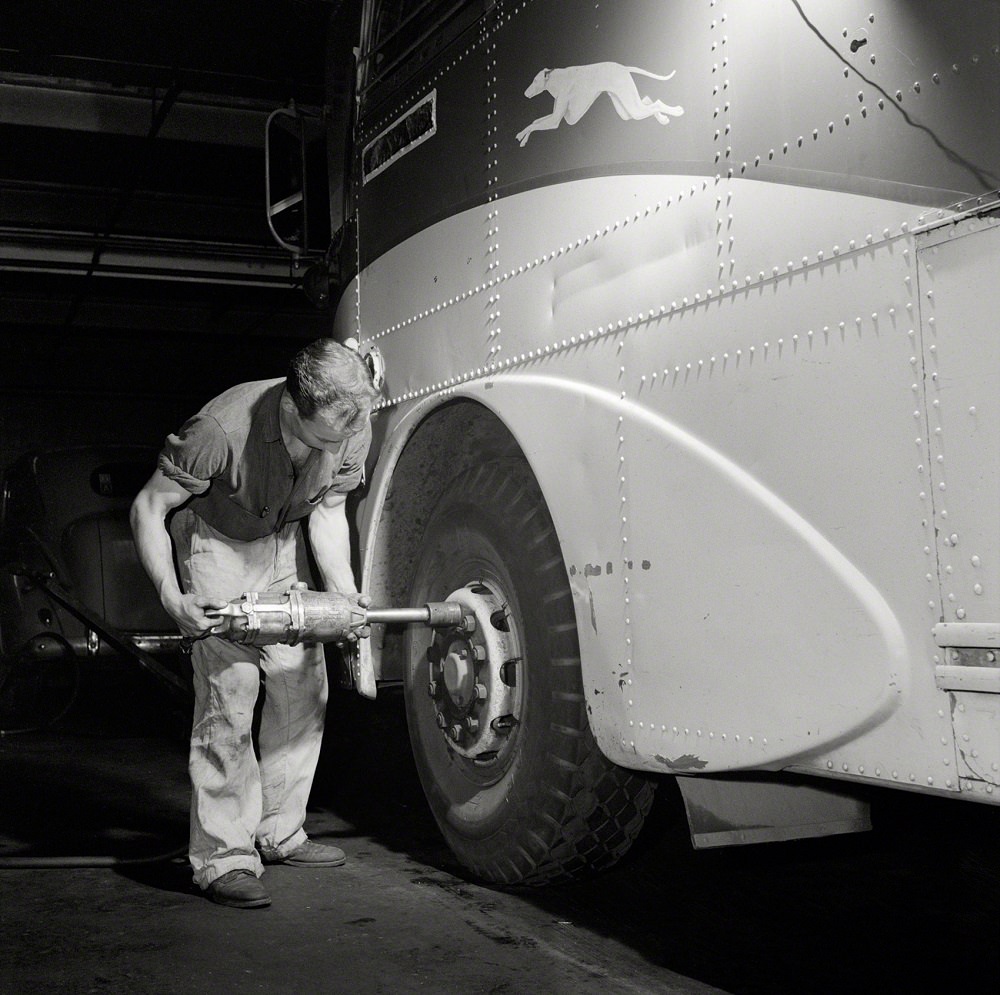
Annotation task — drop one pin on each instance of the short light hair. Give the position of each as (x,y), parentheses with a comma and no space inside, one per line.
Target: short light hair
(333,381)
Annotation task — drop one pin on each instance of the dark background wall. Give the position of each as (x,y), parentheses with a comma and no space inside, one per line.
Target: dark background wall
(108,385)
(138,277)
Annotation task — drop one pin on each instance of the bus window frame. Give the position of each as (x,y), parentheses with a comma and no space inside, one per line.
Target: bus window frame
(368,75)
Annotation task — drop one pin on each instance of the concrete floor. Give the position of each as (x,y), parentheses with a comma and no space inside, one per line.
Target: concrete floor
(915,902)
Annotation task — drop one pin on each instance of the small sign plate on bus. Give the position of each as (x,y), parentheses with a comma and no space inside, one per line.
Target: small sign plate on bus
(404,134)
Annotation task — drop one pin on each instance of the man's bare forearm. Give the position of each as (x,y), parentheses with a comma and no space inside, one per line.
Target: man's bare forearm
(152,542)
(330,539)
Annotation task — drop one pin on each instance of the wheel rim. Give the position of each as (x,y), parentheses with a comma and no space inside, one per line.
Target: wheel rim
(473,677)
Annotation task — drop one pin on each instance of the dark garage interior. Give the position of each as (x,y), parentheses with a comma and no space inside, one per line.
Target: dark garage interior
(138,279)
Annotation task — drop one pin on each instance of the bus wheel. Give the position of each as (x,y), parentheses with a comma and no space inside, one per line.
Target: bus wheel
(496,710)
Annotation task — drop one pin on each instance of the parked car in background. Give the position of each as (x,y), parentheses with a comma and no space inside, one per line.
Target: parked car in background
(71,584)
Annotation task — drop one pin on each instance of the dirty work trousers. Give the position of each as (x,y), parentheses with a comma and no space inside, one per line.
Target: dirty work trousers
(237,801)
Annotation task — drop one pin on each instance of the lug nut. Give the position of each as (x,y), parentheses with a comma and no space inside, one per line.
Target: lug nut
(508,672)
(480,652)
(481,692)
(455,732)
(440,719)
(432,688)
(471,724)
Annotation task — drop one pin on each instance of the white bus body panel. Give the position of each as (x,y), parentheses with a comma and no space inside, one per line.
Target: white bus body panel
(709,461)
(758,393)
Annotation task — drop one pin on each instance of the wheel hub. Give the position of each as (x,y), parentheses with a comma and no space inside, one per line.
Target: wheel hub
(473,675)
(459,675)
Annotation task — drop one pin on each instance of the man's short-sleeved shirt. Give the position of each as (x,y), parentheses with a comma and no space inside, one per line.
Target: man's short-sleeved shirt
(232,459)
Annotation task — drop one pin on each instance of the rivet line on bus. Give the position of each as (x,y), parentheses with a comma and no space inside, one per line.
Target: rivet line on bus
(626,324)
(623,487)
(887,236)
(749,280)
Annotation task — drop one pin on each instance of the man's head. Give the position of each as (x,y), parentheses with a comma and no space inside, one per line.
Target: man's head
(331,388)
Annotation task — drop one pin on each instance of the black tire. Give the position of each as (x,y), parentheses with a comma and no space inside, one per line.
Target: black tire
(534,800)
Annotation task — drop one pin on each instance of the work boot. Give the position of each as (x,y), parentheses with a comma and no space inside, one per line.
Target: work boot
(310,854)
(239,889)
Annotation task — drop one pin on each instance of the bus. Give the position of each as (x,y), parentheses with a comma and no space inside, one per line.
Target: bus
(687,316)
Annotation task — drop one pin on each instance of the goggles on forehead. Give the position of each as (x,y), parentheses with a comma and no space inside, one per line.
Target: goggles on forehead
(372,357)
(376,365)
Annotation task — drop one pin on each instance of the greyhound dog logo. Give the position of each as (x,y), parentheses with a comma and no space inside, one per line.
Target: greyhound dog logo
(575,88)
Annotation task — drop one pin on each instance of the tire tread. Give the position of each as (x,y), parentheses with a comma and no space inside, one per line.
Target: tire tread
(586,812)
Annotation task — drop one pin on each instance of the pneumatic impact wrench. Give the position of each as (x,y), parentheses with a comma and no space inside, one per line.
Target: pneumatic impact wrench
(304,616)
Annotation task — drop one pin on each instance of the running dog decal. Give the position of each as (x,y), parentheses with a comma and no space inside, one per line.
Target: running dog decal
(575,89)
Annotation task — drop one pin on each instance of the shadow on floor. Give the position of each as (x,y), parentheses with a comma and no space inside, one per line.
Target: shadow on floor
(902,905)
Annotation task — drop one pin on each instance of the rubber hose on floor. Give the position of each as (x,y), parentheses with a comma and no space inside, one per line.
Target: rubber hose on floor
(69,654)
(25,863)
(34,863)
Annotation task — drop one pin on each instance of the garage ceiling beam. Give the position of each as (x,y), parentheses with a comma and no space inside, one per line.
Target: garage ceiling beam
(32,251)
(251,314)
(80,105)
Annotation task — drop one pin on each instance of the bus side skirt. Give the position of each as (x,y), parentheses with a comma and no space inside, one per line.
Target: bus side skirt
(761,808)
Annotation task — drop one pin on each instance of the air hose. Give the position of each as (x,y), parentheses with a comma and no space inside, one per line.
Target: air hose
(20,659)
(35,863)
(25,863)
